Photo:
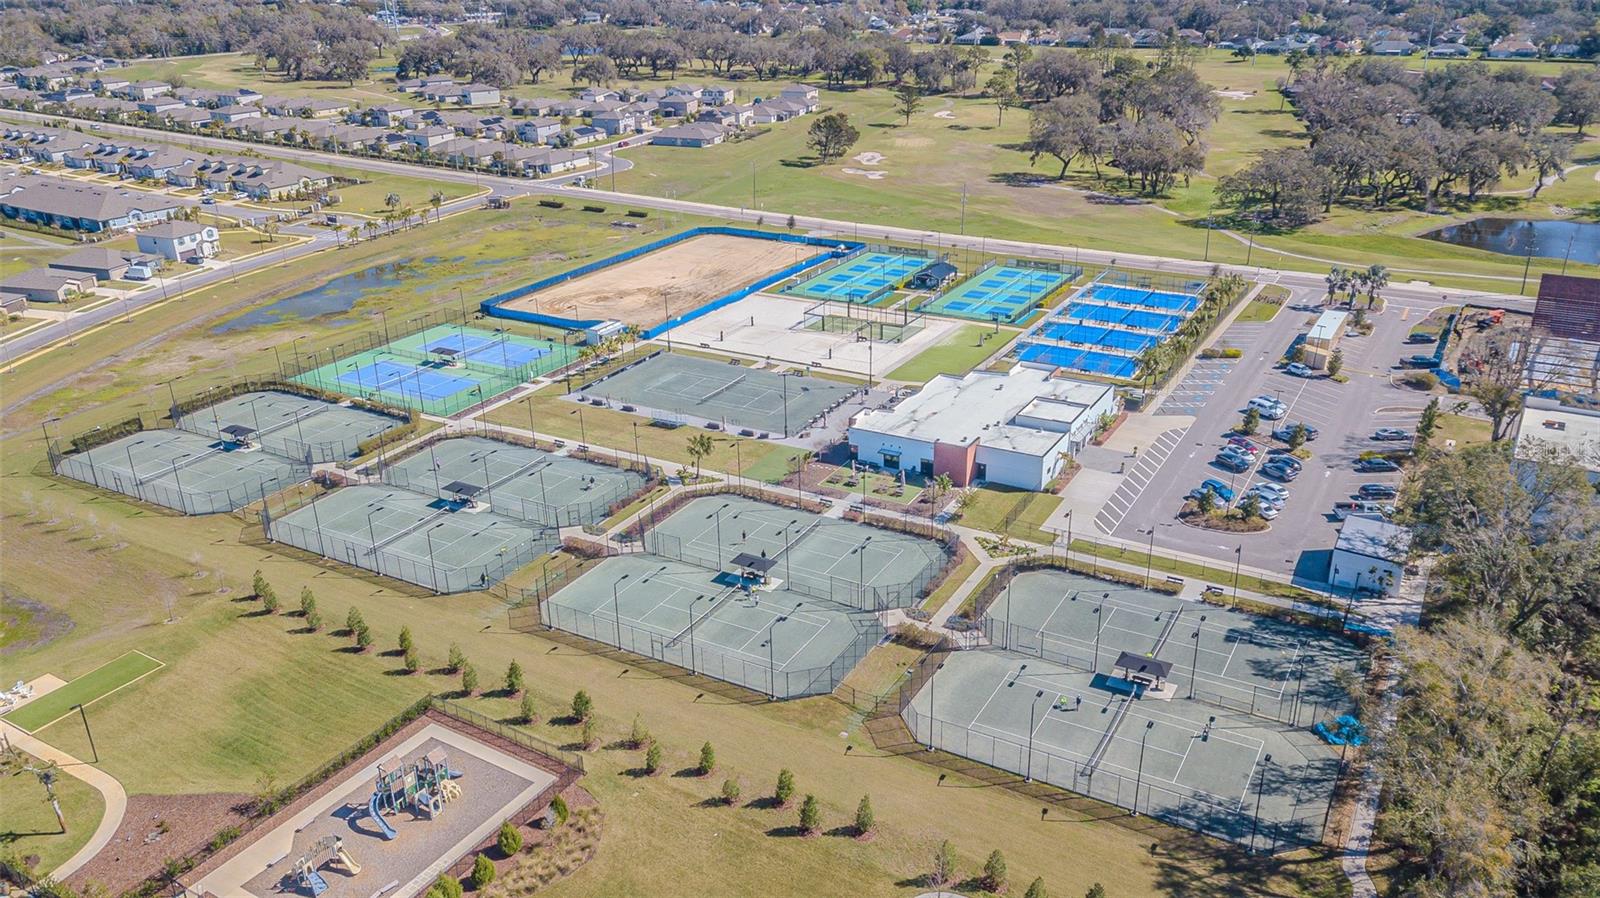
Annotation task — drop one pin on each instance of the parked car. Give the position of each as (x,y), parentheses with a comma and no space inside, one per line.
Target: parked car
(1242,445)
(1390,434)
(208,201)
(1265,500)
(1376,465)
(1213,486)
(1283,433)
(1342,510)
(1272,489)
(1422,338)
(1377,491)
(1234,463)
(1280,472)
(1267,512)
(1298,369)
(1419,361)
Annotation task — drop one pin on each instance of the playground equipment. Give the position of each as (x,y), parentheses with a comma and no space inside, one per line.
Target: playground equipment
(423,786)
(305,866)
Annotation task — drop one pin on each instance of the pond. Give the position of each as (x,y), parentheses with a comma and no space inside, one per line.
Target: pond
(338,295)
(1578,241)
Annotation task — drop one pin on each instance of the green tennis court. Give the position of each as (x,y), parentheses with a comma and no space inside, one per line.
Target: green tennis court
(89,688)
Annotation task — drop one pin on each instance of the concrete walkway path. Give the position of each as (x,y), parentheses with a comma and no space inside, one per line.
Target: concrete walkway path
(110,791)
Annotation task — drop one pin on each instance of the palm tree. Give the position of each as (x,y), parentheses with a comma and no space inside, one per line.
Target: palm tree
(1377,278)
(392,200)
(436,200)
(1335,280)
(698,448)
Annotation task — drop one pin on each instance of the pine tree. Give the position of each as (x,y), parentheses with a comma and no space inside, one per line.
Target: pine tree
(587,734)
(730,791)
(257,584)
(558,806)
(353,620)
(582,705)
(866,821)
(314,620)
(652,759)
(269,599)
(514,682)
(944,863)
(482,872)
(1036,889)
(405,638)
(994,872)
(510,840)
(708,760)
(457,658)
(412,662)
(638,735)
(363,637)
(308,602)
(1095,891)
(526,715)
(785,789)
(810,815)
(469,678)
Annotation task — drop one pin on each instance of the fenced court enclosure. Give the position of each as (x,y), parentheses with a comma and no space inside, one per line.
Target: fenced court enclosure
(662,284)
(482,350)
(1224,729)
(780,643)
(1105,327)
(865,276)
(445,545)
(681,388)
(783,328)
(1003,292)
(852,564)
(183,471)
(519,482)
(300,428)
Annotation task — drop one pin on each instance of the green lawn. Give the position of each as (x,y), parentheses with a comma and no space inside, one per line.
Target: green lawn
(993,505)
(1464,430)
(1257,310)
(84,690)
(958,353)
(30,825)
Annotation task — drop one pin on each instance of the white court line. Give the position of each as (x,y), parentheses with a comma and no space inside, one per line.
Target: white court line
(1250,776)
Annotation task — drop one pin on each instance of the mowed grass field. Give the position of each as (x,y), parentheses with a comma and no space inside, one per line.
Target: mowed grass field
(29,824)
(84,690)
(959,352)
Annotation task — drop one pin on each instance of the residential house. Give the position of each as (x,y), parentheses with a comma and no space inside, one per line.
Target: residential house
(464,95)
(266,128)
(1449,51)
(159,105)
(44,77)
(693,134)
(717,96)
(424,84)
(144,90)
(12,303)
(101,263)
(109,109)
(584,135)
(156,165)
(976,37)
(803,94)
(188,118)
(47,285)
(110,84)
(1513,46)
(390,115)
(352,138)
(1391,48)
(569,108)
(679,106)
(550,161)
(268,181)
(538,130)
(735,117)
(598,94)
(232,115)
(429,137)
(67,94)
(773,111)
(177,240)
(613,123)
(540,106)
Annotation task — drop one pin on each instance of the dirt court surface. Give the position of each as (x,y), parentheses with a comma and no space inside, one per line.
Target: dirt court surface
(776,334)
(670,281)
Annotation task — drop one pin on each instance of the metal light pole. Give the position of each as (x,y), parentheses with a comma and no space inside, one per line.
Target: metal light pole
(1256,823)
(87,732)
(718,515)
(616,608)
(1032,709)
(433,569)
(1099,620)
(1194,665)
(1238,559)
(1150,557)
(691,631)
(932,718)
(772,664)
(1138,780)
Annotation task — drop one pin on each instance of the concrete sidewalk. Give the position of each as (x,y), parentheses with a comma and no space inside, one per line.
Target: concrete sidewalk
(110,791)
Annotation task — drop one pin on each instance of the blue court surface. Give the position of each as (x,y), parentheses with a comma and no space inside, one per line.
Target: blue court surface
(1094,335)
(1151,299)
(859,277)
(1085,360)
(1138,319)
(398,377)
(488,350)
(1006,292)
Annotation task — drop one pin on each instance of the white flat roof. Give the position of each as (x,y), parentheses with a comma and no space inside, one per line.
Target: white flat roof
(1573,429)
(1327,326)
(981,406)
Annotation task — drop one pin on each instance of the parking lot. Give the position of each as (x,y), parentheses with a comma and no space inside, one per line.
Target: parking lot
(1345,416)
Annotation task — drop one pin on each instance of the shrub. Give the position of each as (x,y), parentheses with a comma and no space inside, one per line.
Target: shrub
(785,789)
(353,620)
(994,872)
(363,637)
(308,602)
(510,840)
(314,620)
(1095,891)
(457,658)
(708,760)
(587,736)
(269,599)
(730,792)
(526,714)
(482,871)
(258,584)
(559,806)
(447,886)
(652,759)
(866,821)
(1036,889)
(810,815)
(1420,380)
(412,662)
(944,864)
(514,681)
(1251,422)
(469,678)
(405,639)
(582,705)
(638,735)
(224,837)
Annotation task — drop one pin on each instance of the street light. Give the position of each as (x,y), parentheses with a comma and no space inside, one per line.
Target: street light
(616,608)
(83,714)
(1099,620)
(772,664)
(1033,707)
(1266,761)
(933,720)
(718,515)
(1138,780)
(1194,666)
(691,631)
(1150,557)
(1238,559)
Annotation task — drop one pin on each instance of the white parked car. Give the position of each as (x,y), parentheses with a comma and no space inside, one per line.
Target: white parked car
(1297,369)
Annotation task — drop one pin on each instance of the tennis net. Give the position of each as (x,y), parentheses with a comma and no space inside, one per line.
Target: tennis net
(726,597)
(724,388)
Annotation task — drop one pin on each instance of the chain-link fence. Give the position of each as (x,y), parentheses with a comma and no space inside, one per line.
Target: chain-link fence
(172,494)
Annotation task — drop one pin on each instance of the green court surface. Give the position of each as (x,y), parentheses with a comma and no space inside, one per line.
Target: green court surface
(848,563)
(301,428)
(517,481)
(527,357)
(1003,293)
(862,277)
(780,643)
(682,388)
(92,686)
(443,545)
(184,471)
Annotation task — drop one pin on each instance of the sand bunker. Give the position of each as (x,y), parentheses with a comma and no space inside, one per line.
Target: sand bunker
(866,173)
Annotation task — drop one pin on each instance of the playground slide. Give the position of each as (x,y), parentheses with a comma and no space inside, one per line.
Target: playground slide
(314,879)
(348,862)
(383,825)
